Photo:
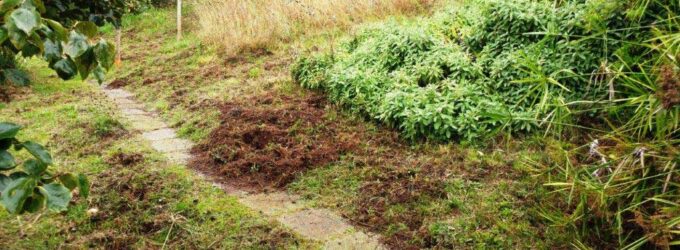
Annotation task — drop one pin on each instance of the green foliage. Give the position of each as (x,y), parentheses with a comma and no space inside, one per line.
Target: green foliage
(495,65)
(57,31)
(34,186)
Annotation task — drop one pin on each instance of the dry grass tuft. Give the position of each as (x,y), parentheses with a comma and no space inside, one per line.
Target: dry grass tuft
(252,25)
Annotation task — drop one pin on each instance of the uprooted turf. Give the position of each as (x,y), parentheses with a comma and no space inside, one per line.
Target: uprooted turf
(267,142)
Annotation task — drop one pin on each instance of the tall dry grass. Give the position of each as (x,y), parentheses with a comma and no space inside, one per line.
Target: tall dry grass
(238,25)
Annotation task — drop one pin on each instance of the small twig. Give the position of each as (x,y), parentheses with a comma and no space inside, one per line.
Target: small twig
(167,237)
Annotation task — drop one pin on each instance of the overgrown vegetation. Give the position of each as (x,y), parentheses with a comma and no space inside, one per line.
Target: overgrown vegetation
(236,25)
(578,70)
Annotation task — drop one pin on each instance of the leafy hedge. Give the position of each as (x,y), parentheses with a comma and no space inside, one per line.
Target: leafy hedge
(489,65)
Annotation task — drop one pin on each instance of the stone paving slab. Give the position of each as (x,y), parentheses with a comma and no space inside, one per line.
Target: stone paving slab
(354,241)
(148,125)
(160,134)
(317,224)
(133,111)
(172,145)
(117,93)
(272,204)
(179,157)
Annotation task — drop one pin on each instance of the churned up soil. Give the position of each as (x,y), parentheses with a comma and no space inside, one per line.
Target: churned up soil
(265,142)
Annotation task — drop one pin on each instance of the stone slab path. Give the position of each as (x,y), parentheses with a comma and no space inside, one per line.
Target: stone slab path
(320,225)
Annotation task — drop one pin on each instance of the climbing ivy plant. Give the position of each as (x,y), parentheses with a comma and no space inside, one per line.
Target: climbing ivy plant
(30,185)
(58,32)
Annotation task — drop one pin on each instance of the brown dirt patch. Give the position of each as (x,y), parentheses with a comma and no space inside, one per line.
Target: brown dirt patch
(265,142)
(125,160)
(118,83)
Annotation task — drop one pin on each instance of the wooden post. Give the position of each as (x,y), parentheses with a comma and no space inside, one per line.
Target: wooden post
(119,47)
(179,20)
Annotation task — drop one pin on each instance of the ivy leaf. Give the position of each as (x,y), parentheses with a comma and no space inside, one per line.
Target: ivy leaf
(16,193)
(77,45)
(38,151)
(105,53)
(8,130)
(4,182)
(69,180)
(34,167)
(17,77)
(6,160)
(57,195)
(99,74)
(60,31)
(52,51)
(9,4)
(26,20)
(34,203)
(88,29)
(86,63)
(4,34)
(17,37)
(83,185)
(66,69)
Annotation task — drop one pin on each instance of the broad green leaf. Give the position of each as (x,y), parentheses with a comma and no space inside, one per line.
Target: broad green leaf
(8,130)
(38,151)
(60,31)
(4,182)
(16,77)
(52,51)
(34,203)
(16,36)
(105,53)
(86,63)
(83,185)
(26,20)
(9,4)
(88,29)
(16,193)
(69,180)
(34,167)
(4,34)
(57,195)
(99,74)
(77,45)
(38,5)
(66,69)
(7,161)
(30,50)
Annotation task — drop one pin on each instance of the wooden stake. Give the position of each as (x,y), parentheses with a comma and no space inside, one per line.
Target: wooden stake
(119,48)
(179,20)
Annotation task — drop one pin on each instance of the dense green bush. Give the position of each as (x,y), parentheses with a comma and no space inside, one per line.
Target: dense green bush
(483,67)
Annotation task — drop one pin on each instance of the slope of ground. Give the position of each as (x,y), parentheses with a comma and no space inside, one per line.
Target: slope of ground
(137,200)
(415,196)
